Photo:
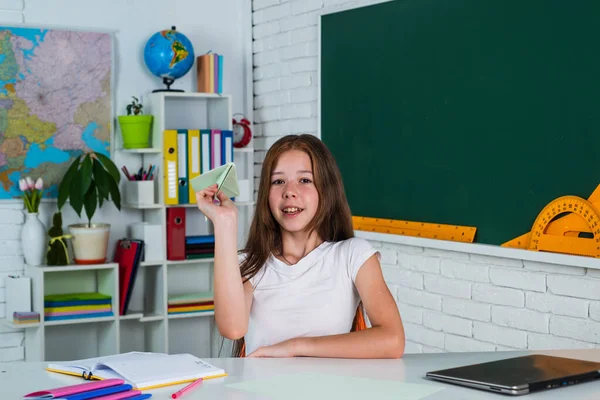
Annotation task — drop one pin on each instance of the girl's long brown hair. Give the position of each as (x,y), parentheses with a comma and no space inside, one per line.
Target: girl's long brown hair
(332,222)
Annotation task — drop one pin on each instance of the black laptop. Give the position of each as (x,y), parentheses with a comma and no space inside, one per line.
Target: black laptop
(520,375)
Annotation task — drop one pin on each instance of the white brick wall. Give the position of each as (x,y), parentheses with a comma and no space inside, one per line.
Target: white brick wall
(466,302)
(449,301)
(11,263)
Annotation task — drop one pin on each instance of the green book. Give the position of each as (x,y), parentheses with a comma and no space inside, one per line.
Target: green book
(90,298)
(186,298)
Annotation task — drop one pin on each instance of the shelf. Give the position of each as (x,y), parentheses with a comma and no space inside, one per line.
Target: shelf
(74,267)
(143,206)
(79,321)
(192,315)
(157,263)
(139,151)
(193,95)
(12,325)
(195,261)
(147,326)
(132,315)
(152,317)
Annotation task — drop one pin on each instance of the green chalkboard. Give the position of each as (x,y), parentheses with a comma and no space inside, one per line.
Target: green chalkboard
(464,112)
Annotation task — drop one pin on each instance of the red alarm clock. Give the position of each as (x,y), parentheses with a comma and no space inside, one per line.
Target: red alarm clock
(241,132)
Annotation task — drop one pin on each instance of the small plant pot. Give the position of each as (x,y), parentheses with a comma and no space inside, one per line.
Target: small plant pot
(90,243)
(135,130)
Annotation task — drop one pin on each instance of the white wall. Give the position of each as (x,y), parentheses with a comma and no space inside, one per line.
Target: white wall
(449,300)
(458,301)
(210,25)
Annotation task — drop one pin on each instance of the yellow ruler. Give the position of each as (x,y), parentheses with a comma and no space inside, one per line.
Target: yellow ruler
(568,224)
(411,228)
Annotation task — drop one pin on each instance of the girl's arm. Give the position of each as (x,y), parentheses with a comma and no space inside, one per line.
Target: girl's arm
(385,339)
(232,298)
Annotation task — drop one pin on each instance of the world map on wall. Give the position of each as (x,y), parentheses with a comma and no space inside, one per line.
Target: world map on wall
(55,103)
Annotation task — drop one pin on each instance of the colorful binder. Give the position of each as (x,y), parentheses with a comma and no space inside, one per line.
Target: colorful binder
(205,150)
(226,146)
(170,167)
(193,160)
(182,166)
(216,153)
(176,233)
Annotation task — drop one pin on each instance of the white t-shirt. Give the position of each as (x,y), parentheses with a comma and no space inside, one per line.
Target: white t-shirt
(314,297)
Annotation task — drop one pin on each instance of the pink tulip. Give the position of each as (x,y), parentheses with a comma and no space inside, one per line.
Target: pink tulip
(30,183)
(22,185)
(39,184)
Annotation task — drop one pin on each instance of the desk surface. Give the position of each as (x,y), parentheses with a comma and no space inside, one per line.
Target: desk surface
(19,378)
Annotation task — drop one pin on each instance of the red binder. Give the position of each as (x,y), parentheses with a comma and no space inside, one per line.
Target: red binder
(175,233)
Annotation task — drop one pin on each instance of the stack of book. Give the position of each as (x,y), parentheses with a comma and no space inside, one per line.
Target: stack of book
(25,317)
(210,73)
(199,246)
(77,305)
(201,302)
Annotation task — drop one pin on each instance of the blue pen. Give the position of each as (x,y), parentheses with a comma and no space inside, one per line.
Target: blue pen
(140,397)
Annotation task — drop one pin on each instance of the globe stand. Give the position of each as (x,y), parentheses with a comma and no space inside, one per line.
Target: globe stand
(168,81)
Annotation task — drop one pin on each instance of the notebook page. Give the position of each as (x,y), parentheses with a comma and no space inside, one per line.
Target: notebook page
(91,364)
(174,368)
(102,370)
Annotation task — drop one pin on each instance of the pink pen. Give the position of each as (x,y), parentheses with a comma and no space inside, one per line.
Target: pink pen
(185,389)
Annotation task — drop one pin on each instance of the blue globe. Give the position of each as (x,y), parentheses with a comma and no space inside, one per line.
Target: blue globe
(169,55)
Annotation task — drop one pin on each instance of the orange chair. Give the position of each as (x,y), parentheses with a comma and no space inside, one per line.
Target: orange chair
(358,324)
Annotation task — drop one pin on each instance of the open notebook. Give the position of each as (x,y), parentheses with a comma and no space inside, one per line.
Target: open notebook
(142,370)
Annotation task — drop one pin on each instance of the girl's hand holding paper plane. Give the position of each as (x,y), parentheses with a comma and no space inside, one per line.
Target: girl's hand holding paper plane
(226,211)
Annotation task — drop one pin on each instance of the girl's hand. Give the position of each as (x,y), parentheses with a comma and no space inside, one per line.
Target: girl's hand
(226,211)
(286,348)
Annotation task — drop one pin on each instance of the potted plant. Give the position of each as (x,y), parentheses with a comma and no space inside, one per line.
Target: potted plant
(91,179)
(135,126)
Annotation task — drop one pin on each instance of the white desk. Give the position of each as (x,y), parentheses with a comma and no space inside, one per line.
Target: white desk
(17,379)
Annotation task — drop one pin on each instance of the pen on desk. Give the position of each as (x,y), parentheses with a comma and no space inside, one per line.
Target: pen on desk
(178,394)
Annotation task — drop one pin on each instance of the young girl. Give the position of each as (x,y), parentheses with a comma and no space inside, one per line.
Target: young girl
(296,288)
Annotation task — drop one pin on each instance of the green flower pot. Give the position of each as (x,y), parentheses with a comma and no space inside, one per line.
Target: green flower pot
(135,130)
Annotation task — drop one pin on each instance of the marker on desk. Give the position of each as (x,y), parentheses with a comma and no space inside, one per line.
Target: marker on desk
(185,389)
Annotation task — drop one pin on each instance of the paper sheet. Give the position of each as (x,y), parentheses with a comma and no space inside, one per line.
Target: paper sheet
(312,386)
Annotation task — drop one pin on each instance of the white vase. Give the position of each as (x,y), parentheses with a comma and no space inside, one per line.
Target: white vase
(34,240)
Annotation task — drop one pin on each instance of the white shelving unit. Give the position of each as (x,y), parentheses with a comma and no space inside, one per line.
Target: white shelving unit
(75,338)
(147,325)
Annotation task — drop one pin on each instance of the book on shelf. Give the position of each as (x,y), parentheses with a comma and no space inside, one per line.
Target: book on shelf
(200,302)
(199,246)
(143,370)
(67,306)
(209,68)
(25,317)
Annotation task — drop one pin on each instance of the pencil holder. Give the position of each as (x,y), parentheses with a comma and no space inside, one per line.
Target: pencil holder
(139,192)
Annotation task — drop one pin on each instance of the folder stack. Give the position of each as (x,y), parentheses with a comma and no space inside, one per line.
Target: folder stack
(77,305)
(200,302)
(188,153)
(199,246)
